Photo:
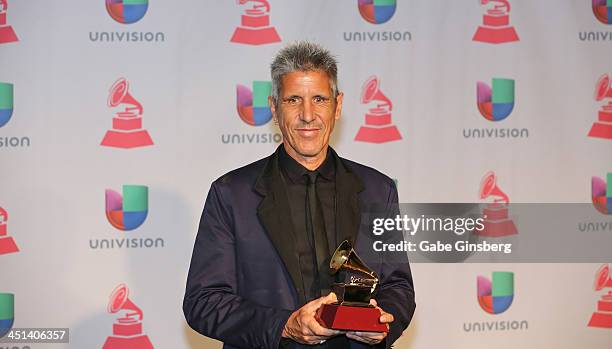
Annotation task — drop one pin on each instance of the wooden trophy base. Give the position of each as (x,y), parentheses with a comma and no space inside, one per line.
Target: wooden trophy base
(352,318)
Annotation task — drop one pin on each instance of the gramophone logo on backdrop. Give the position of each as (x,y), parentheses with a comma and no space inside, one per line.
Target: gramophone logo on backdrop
(379,127)
(7,34)
(252,105)
(497,102)
(6,102)
(603,11)
(129,211)
(601,193)
(602,317)
(127,11)
(7,243)
(496,222)
(255,28)
(602,128)
(495,295)
(127,329)
(377,11)
(496,28)
(7,313)
(127,129)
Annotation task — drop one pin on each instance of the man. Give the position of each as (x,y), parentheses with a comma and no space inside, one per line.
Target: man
(259,269)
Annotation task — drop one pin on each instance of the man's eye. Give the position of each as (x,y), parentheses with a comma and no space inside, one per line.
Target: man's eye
(320,99)
(292,100)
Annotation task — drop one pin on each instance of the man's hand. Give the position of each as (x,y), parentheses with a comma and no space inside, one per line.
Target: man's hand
(302,326)
(372,338)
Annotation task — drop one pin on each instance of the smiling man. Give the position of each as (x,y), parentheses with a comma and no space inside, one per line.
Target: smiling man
(260,264)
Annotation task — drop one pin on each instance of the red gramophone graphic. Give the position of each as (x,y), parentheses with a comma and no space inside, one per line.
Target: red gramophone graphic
(127,129)
(496,28)
(496,222)
(7,34)
(603,316)
(602,128)
(7,244)
(127,330)
(378,126)
(255,26)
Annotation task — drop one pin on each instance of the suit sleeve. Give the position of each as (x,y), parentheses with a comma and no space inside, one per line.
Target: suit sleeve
(396,292)
(211,304)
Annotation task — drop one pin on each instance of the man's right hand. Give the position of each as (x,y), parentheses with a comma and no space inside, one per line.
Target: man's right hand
(302,326)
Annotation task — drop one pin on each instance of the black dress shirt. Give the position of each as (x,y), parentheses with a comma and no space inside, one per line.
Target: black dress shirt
(316,284)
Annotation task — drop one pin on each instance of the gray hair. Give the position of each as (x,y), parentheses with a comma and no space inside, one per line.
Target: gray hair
(303,56)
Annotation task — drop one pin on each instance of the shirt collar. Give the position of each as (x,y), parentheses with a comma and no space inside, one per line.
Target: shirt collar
(295,171)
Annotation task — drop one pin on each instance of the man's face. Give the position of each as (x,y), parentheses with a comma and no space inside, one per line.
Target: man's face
(307,112)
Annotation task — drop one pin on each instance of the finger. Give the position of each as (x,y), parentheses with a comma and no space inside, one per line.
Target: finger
(331,298)
(373,302)
(315,304)
(386,318)
(315,328)
(367,340)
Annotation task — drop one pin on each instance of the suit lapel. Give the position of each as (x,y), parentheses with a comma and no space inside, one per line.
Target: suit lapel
(348,214)
(274,214)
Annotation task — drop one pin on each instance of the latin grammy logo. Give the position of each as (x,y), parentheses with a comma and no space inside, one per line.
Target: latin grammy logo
(7,243)
(496,28)
(603,316)
(496,222)
(602,128)
(255,26)
(378,126)
(127,330)
(7,34)
(127,129)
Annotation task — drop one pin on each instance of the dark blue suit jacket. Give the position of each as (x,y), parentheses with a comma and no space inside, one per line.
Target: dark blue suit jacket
(244,276)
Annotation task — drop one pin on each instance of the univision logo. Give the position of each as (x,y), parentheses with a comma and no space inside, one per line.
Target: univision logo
(495,297)
(129,211)
(602,9)
(377,11)
(6,112)
(497,102)
(127,11)
(7,312)
(6,102)
(252,105)
(253,109)
(601,194)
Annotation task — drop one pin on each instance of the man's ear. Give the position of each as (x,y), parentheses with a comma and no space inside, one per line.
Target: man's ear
(339,99)
(272,108)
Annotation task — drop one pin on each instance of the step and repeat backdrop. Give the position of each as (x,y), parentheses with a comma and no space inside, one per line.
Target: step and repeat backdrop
(115,117)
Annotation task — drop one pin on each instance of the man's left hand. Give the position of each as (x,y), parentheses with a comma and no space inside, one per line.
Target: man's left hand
(372,338)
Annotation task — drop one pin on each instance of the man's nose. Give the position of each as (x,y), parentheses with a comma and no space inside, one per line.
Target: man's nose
(307,112)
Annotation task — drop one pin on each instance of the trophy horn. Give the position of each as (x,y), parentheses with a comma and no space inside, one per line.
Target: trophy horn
(345,258)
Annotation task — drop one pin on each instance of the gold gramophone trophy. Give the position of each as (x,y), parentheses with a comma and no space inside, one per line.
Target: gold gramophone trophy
(353,310)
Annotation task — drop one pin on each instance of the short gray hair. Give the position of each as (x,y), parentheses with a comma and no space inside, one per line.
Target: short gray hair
(303,56)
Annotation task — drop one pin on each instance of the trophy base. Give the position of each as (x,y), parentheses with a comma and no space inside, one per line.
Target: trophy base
(602,320)
(498,228)
(495,35)
(601,130)
(140,342)
(127,140)
(8,245)
(342,317)
(378,134)
(255,36)
(7,34)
